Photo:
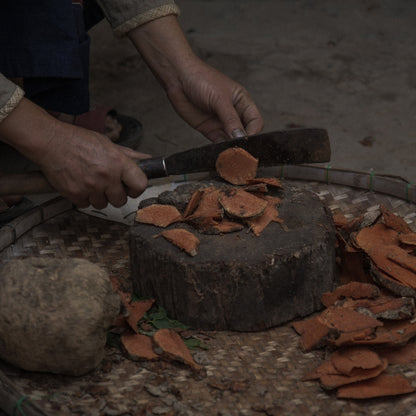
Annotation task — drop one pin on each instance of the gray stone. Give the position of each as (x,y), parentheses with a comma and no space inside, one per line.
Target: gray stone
(54,314)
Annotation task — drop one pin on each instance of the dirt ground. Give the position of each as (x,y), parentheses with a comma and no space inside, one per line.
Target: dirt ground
(348,67)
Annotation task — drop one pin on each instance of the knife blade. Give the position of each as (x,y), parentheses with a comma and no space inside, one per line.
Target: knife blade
(294,146)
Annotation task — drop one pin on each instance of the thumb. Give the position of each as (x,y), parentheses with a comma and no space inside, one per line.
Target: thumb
(230,119)
(134,179)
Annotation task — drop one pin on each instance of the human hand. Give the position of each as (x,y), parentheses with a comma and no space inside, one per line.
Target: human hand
(208,100)
(214,104)
(84,166)
(89,169)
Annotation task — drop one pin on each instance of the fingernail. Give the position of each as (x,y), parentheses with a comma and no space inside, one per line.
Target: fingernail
(238,133)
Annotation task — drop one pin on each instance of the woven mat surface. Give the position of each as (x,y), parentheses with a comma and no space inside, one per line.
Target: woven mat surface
(246,373)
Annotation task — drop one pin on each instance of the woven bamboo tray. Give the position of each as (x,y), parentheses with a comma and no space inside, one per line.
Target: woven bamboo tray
(246,373)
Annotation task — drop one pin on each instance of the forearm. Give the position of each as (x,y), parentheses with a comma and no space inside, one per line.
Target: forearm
(28,128)
(165,49)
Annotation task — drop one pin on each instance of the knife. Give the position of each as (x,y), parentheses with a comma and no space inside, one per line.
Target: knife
(294,146)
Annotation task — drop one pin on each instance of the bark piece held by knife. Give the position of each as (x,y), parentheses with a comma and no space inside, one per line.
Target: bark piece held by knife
(183,239)
(238,203)
(236,166)
(159,215)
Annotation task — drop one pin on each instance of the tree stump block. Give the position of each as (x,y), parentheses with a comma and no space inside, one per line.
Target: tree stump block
(238,281)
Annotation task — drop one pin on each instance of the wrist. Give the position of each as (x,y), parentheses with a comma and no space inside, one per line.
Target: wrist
(165,49)
(29,129)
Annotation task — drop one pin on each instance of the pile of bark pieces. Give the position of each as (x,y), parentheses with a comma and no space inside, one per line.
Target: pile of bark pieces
(369,320)
(219,210)
(164,344)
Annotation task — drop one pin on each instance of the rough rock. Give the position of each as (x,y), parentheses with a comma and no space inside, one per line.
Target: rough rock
(54,314)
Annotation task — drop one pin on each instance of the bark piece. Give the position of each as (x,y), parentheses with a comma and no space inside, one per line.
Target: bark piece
(340,220)
(313,333)
(193,203)
(332,381)
(383,385)
(384,280)
(268,181)
(182,239)
(135,311)
(347,320)
(382,259)
(354,365)
(208,207)
(408,239)
(382,245)
(258,188)
(392,333)
(402,258)
(393,221)
(325,368)
(238,203)
(236,166)
(158,215)
(384,307)
(138,346)
(172,347)
(354,290)
(353,338)
(179,197)
(258,224)
(348,359)
(370,238)
(222,227)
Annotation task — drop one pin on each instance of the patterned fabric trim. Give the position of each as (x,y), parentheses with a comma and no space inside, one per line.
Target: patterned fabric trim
(146,17)
(17,95)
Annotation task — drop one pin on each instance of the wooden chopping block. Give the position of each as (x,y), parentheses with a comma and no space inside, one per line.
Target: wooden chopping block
(239,281)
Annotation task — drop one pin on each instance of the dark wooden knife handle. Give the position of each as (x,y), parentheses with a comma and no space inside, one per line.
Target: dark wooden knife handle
(36,183)
(153,168)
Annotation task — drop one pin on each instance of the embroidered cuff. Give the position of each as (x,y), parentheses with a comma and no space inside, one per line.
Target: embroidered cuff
(148,16)
(11,104)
